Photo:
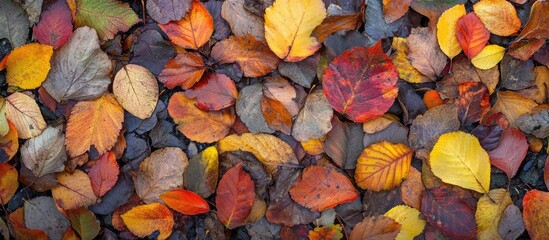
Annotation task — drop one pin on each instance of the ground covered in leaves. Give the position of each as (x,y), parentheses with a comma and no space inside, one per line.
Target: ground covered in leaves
(274,119)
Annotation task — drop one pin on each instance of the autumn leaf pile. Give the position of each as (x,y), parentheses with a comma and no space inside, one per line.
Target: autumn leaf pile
(274,119)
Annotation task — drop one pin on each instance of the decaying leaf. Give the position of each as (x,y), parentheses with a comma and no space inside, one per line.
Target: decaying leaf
(425,56)
(164,11)
(42,214)
(242,21)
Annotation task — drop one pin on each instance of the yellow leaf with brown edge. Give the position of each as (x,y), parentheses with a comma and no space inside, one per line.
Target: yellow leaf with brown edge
(383,166)
(512,105)
(405,69)
(498,16)
(490,207)
(314,146)
(268,149)
(96,122)
(289,25)
(8,182)
(458,159)
(73,190)
(25,114)
(489,57)
(446,30)
(28,65)
(408,217)
(143,220)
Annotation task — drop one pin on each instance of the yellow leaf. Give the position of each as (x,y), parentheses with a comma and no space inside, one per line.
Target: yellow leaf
(28,65)
(74,190)
(268,149)
(314,146)
(145,219)
(136,89)
(490,207)
(383,166)
(446,30)
(498,16)
(4,127)
(458,159)
(512,105)
(408,217)
(488,57)
(25,114)
(405,69)
(288,28)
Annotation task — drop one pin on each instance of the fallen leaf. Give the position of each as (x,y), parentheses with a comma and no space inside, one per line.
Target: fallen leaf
(535,122)
(516,74)
(151,51)
(242,21)
(202,173)
(8,182)
(55,25)
(434,8)
(198,125)
(158,10)
(473,102)
(498,16)
(314,119)
(378,228)
(409,219)
(28,66)
(136,89)
(85,223)
(4,125)
(186,202)
(383,166)
(82,76)
(25,115)
(18,229)
(376,26)
(489,57)
(235,197)
(471,34)
(15,22)
(332,24)
(512,105)
(538,23)
(447,31)
(395,9)
(525,49)
(280,89)
(39,209)
(331,232)
(458,159)
(74,190)
(405,69)
(432,99)
(254,57)
(302,72)
(192,31)
(104,174)
(9,144)
(490,208)
(320,188)
(344,143)
(412,188)
(426,128)
(248,109)
(160,172)
(288,33)
(535,204)
(276,115)
(184,70)
(45,153)
(314,146)
(144,220)
(425,56)
(268,149)
(96,122)
(510,151)
(361,83)
(108,17)
(214,92)
(511,225)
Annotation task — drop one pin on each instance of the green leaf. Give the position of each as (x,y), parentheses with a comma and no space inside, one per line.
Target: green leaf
(107,16)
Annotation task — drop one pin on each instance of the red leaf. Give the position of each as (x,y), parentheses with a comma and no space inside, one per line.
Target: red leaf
(510,151)
(447,213)
(536,214)
(184,70)
(361,83)
(185,202)
(235,197)
(473,102)
(320,188)
(214,92)
(104,174)
(471,34)
(55,25)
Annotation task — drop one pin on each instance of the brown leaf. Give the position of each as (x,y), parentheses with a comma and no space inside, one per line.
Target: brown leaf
(538,23)
(412,188)
(104,174)
(524,50)
(276,115)
(314,119)
(214,92)
(336,23)
(192,31)
(510,151)
(426,128)
(375,228)
(242,21)
(283,91)
(184,70)
(425,55)
(395,9)
(473,102)
(512,105)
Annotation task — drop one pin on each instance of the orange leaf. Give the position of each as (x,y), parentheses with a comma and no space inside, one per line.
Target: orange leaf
(538,23)
(412,188)
(184,70)
(198,125)
(73,190)
(9,144)
(320,188)
(96,122)
(432,99)
(8,182)
(185,202)
(471,34)
(525,49)
(104,174)
(20,231)
(214,92)
(254,57)
(276,115)
(395,9)
(332,232)
(145,219)
(235,197)
(194,30)
(536,214)
(375,228)
(336,23)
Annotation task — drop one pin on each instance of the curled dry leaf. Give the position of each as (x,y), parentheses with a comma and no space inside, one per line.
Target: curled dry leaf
(314,119)
(288,33)
(74,190)
(192,31)
(383,166)
(136,89)
(8,182)
(184,70)
(510,151)
(79,69)
(490,208)
(214,92)
(104,174)
(378,227)
(235,197)
(361,83)
(96,122)
(425,56)
(108,17)
(28,65)
(186,202)
(45,153)
(409,219)
(535,213)
(25,115)
(471,34)
(160,172)
(254,57)
(320,188)
(143,220)
(446,30)
(498,16)
(198,125)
